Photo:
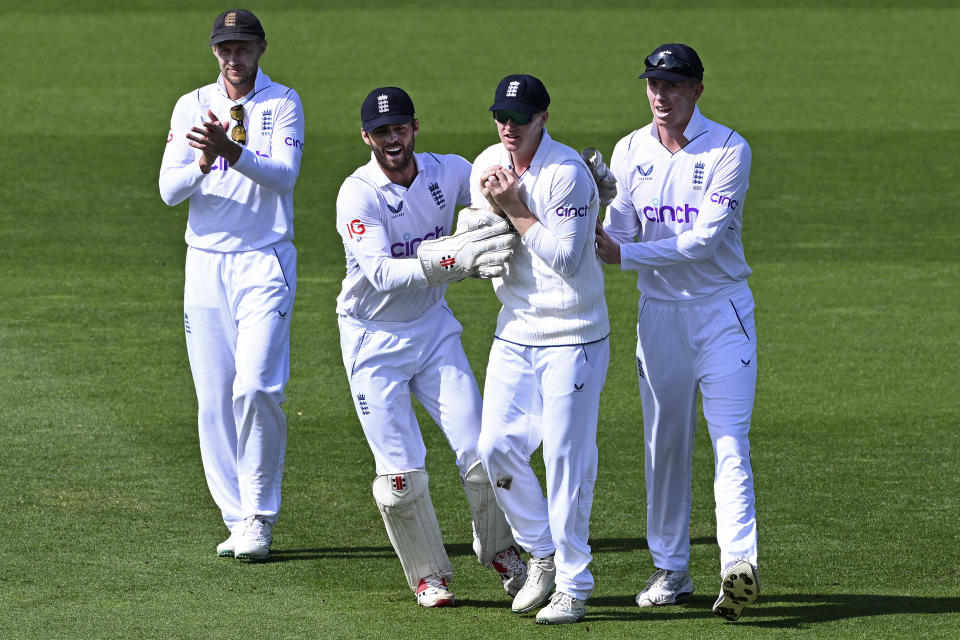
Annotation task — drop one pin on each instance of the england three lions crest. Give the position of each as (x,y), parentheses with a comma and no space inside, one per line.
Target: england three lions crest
(438,198)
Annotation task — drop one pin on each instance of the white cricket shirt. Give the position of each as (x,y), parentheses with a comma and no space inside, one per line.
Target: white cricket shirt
(248,205)
(552,293)
(383,223)
(678,217)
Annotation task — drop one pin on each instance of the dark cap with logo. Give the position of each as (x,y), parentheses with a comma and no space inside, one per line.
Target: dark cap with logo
(674,63)
(386,105)
(236,24)
(521,93)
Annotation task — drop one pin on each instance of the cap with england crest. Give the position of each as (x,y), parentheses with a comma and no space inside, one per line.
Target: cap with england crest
(236,24)
(673,63)
(386,105)
(521,93)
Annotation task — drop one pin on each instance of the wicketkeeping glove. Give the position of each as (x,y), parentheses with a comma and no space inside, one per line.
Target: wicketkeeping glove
(470,218)
(606,183)
(482,252)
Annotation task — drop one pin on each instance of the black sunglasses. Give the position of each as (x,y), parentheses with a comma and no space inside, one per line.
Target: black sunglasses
(519,119)
(667,61)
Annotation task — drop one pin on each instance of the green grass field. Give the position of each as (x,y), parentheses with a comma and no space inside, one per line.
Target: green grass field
(851,228)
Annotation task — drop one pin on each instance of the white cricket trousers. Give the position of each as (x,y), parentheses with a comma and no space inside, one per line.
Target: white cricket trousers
(548,395)
(236,314)
(389,363)
(708,345)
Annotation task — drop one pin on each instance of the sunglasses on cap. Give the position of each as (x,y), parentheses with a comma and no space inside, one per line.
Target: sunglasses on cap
(668,62)
(239,132)
(519,119)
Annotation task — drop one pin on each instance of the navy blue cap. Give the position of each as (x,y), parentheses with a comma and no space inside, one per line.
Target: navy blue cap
(674,63)
(521,93)
(236,24)
(386,105)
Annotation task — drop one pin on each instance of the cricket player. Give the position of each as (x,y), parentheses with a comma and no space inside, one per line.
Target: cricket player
(400,339)
(234,151)
(677,221)
(548,361)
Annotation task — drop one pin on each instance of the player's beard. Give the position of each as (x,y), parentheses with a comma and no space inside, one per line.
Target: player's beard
(389,164)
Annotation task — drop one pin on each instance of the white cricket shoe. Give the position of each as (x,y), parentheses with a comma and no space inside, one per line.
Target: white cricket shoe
(665,587)
(739,587)
(538,585)
(563,609)
(225,548)
(512,570)
(433,592)
(253,539)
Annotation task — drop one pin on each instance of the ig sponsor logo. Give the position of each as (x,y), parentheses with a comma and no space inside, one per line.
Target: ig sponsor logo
(409,245)
(356,228)
(568,210)
(722,199)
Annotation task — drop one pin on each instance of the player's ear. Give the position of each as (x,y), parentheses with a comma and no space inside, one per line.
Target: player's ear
(261,47)
(366,138)
(416,127)
(697,91)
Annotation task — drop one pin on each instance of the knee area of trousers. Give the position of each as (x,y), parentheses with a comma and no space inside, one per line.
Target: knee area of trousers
(398,490)
(494,448)
(257,396)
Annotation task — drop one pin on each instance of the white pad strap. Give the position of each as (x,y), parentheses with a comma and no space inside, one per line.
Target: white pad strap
(404,502)
(491,533)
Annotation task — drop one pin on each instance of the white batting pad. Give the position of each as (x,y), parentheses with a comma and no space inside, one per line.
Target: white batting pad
(491,533)
(404,502)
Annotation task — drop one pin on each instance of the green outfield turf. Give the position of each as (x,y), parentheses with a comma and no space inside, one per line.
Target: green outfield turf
(851,228)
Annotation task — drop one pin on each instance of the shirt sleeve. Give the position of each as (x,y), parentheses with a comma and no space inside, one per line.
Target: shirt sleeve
(621,223)
(565,224)
(180,173)
(278,172)
(364,236)
(462,169)
(729,184)
(479,166)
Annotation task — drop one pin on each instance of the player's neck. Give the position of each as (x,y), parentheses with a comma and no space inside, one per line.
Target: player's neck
(238,91)
(672,137)
(403,177)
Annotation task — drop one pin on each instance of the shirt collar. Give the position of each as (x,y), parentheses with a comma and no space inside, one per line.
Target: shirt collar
(380,178)
(695,127)
(538,158)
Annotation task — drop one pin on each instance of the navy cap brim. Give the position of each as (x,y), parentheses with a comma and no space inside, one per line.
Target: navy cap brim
(400,118)
(669,76)
(519,107)
(228,37)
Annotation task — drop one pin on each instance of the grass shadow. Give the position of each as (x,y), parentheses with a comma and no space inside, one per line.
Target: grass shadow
(600,545)
(789,611)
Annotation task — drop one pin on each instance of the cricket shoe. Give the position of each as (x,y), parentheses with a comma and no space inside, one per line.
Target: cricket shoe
(512,570)
(739,587)
(253,540)
(225,548)
(665,587)
(538,585)
(563,609)
(433,592)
